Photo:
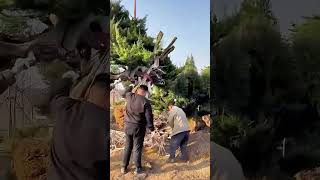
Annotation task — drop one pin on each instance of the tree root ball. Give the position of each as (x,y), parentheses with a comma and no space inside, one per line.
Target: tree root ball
(192,125)
(118,113)
(31,159)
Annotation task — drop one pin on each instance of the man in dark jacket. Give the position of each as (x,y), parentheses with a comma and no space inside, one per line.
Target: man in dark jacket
(80,147)
(138,116)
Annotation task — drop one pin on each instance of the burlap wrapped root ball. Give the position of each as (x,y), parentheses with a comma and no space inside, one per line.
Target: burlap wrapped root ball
(31,159)
(118,113)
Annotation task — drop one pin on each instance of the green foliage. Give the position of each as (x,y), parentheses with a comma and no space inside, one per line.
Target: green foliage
(53,70)
(205,80)
(252,8)
(232,74)
(130,42)
(249,10)
(187,82)
(121,15)
(257,70)
(116,69)
(221,28)
(306,41)
(180,85)
(160,100)
(229,130)
(190,68)
(6,3)
(130,45)
(123,52)
(245,67)
(171,70)
(12,25)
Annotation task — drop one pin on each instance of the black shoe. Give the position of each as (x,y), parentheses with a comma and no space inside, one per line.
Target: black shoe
(123,170)
(170,160)
(138,171)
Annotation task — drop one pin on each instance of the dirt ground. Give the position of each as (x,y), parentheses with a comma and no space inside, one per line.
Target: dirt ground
(198,168)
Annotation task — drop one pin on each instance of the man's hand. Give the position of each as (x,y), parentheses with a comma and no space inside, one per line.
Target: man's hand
(207,120)
(71,75)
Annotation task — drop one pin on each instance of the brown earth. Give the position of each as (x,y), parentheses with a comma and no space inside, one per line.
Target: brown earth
(198,168)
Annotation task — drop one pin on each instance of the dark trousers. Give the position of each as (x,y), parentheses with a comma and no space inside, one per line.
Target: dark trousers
(179,140)
(134,141)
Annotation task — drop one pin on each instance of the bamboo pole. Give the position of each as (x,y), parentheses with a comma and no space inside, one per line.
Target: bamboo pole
(10,113)
(135,9)
(14,122)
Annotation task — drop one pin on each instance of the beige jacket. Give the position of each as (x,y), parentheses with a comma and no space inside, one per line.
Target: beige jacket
(178,121)
(224,166)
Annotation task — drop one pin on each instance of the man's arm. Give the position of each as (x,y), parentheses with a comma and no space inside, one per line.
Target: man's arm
(6,79)
(149,116)
(60,89)
(59,94)
(171,119)
(134,89)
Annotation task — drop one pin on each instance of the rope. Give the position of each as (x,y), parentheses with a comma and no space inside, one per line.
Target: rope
(103,60)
